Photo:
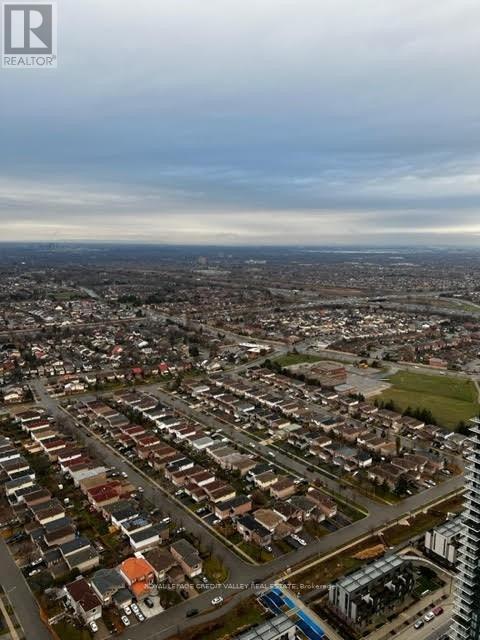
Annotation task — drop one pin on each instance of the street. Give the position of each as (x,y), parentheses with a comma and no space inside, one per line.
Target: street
(23,602)
(240,571)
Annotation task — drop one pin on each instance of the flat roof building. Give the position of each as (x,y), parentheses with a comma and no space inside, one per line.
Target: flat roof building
(279,628)
(444,541)
(371,589)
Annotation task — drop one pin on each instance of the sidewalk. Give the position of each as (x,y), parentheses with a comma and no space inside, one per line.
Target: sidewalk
(10,624)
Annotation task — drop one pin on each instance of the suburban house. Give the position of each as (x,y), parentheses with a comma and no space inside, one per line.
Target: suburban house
(106,583)
(187,557)
(139,576)
(162,561)
(83,600)
(234,507)
(253,531)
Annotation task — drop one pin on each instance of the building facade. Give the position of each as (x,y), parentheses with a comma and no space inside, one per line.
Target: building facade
(443,541)
(466,611)
(371,590)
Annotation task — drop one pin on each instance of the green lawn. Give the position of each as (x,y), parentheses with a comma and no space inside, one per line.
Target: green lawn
(215,570)
(449,399)
(66,631)
(296,358)
(244,615)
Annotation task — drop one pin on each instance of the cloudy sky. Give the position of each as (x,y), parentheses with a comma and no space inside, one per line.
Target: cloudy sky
(248,122)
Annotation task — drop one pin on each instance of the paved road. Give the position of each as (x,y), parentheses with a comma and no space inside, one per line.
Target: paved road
(24,604)
(438,632)
(241,572)
(278,458)
(376,511)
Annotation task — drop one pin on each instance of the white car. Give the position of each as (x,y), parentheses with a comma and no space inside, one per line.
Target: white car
(140,616)
(124,474)
(217,600)
(135,608)
(125,621)
(93,626)
(127,611)
(428,617)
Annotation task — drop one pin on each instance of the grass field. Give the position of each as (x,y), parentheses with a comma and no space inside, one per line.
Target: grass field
(244,615)
(449,399)
(297,358)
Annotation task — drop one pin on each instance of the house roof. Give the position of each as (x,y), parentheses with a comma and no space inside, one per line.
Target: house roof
(83,594)
(267,518)
(248,522)
(186,551)
(82,555)
(136,569)
(107,580)
(160,559)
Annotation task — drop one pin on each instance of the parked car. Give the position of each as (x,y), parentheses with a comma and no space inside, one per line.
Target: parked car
(429,616)
(93,626)
(149,602)
(191,612)
(135,608)
(217,601)
(125,621)
(127,610)
(419,624)
(140,616)
(437,611)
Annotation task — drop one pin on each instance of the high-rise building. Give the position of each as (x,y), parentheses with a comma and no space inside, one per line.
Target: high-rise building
(466,611)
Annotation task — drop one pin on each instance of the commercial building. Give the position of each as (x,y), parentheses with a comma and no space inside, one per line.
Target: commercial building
(328,374)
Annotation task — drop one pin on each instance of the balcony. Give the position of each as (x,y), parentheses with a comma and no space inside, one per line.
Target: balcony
(468,579)
(472,552)
(459,631)
(470,515)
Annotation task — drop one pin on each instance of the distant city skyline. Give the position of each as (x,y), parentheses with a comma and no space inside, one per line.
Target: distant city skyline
(248,123)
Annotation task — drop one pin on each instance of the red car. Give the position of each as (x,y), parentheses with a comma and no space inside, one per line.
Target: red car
(438,611)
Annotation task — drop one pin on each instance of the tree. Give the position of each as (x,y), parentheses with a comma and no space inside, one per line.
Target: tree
(194,351)
(462,428)
(401,487)
(398,444)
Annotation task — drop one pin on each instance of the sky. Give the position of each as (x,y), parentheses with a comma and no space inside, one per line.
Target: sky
(305,122)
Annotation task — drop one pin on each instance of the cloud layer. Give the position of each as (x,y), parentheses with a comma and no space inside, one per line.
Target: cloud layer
(228,121)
